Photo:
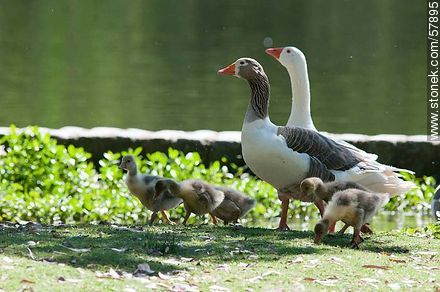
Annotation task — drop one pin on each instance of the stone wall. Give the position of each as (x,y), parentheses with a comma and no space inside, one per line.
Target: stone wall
(410,152)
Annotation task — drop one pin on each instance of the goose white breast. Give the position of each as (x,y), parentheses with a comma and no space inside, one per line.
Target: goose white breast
(267,155)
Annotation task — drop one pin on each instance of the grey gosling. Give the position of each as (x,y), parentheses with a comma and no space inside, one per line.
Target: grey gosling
(235,205)
(200,198)
(354,207)
(314,187)
(143,187)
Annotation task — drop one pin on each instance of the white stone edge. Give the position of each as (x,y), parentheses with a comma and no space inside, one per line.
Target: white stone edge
(205,136)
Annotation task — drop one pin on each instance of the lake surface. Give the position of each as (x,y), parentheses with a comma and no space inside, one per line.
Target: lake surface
(383,221)
(153,64)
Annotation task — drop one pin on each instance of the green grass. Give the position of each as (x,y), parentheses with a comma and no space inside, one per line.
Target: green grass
(201,256)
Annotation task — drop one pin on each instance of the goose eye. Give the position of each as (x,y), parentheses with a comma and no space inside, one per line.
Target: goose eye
(288,51)
(128,160)
(241,62)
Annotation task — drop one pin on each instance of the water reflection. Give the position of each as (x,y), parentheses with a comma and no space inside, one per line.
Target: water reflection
(385,221)
(152,64)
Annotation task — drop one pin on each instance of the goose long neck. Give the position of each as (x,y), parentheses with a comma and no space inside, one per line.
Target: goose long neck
(260,95)
(300,114)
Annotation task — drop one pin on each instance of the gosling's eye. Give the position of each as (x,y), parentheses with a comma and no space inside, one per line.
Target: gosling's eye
(288,51)
(128,160)
(241,62)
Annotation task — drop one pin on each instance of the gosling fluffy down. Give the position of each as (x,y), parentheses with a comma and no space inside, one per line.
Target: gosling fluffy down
(315,187)
(355,208)
(144,188)
(200,198)
(235,205)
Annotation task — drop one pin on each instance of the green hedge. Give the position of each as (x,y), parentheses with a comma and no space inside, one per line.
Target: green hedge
(50,183)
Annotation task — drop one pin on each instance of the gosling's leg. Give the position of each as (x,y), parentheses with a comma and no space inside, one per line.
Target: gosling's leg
(166,218)
(343,229)
(213,218)
(188,213)
(366,229)
(357,238)
(153,218)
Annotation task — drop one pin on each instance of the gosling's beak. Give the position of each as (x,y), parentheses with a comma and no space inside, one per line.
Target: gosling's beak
(229,70)
(274,52)
(317,238)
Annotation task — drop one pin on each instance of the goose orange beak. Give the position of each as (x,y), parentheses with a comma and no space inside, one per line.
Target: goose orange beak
(229,70)
(274,52)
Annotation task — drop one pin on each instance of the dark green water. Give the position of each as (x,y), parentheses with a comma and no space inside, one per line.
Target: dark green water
(153,64)
(383,221)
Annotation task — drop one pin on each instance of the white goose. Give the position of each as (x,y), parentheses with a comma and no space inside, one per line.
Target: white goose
(284,156)
(300,116)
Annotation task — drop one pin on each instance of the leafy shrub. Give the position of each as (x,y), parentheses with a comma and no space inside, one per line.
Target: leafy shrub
(431,230)
(43,181)
(416,200)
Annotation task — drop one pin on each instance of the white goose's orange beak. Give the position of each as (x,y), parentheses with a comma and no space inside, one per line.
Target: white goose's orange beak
(229,70)
(274,52)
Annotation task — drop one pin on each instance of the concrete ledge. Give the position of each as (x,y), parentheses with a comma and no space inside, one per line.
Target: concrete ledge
(410,152)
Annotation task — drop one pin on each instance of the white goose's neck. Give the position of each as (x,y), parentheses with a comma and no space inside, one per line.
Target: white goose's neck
(300,114)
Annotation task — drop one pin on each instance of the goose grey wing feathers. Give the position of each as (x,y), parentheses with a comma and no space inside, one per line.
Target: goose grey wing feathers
(326,154)
(318,169)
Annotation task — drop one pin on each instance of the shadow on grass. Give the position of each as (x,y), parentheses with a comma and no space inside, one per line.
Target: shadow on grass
(104,246)
(91,247)
(369,244)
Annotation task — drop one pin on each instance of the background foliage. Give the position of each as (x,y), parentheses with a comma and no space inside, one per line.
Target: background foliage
(43,181)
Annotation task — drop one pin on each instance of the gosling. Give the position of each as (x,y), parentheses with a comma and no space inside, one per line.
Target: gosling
(316,188)
(201,198)
(355,208)
(198,197)
(235,205)
(143,187)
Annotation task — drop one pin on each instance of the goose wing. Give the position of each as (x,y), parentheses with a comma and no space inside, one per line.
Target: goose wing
(325,154)
(329,158)
(333,155)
